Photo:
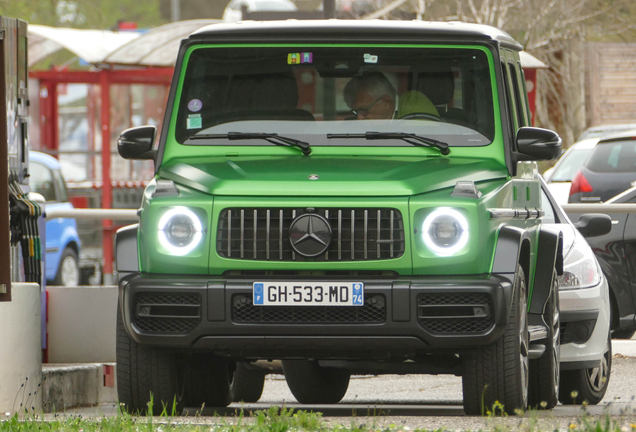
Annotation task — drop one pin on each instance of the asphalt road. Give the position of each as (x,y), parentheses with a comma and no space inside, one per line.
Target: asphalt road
(429,402)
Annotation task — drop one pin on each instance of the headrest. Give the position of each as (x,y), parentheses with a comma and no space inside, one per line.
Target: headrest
(263,92)
(438,86)
(414,102)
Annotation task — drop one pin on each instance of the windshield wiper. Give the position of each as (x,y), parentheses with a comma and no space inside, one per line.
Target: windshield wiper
(416,140)
(273,138)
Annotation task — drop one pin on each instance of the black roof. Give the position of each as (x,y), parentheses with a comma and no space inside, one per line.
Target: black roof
(361,31)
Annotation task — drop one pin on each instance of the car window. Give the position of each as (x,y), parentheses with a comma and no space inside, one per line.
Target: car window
(619,156)
(60,184)
(570,164)
(549,217)
(41,181)
(512,125)
(517,91)
(441,93)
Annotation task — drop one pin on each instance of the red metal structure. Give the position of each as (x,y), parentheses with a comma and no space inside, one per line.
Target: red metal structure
(48,122)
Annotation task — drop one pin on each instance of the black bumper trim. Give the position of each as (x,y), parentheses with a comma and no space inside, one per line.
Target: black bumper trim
(576,365)
(400,334)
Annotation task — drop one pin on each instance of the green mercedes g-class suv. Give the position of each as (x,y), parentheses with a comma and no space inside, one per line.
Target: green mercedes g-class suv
(353,197)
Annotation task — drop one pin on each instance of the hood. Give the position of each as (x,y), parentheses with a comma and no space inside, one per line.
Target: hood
(327,176)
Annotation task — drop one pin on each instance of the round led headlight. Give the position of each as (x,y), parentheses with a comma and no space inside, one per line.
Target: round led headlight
(445,231)
(180,230)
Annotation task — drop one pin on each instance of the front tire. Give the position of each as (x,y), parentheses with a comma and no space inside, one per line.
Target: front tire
(498,374)
(68,272)
(587,385)
(208,381)
(544,371)
(312,384)
(147,374)
(247,383)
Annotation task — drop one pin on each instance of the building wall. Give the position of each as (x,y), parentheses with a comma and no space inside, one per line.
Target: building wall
(610,82)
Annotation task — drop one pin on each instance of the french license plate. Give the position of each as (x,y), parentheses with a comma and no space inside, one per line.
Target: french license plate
(308,294)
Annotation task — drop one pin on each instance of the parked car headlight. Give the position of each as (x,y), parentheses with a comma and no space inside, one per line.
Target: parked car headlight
(580,268)
(445,231)
(180,230)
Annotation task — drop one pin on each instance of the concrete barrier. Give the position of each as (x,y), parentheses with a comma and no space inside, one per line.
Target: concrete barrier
(82,324)
(21,350)
(77,385)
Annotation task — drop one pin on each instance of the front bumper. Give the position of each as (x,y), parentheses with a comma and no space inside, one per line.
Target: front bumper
(401,317)
(586,307)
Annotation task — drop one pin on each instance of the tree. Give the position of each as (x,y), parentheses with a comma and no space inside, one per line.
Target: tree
(103,14)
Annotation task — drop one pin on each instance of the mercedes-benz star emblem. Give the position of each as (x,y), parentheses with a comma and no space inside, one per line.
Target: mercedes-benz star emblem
(313,177)
(310,234)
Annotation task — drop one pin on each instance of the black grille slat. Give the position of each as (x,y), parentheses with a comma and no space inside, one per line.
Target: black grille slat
(357,234)
(451,324)
(164,325)
(373,312)
(168,298)
(171,325)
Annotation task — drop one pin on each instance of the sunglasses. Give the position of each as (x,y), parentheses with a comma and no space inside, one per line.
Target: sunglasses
(364,111)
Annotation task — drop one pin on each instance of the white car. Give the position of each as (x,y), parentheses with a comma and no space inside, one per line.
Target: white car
(233,11)
(559,178)
(586,354)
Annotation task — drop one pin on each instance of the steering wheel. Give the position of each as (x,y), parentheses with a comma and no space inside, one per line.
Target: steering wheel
(421,116)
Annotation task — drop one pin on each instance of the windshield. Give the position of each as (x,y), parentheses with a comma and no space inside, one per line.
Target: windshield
(569,165)
(306,93)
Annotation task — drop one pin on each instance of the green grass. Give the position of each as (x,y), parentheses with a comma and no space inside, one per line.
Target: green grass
(278,419)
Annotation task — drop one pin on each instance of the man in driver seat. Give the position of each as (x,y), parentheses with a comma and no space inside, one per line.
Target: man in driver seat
(371,96)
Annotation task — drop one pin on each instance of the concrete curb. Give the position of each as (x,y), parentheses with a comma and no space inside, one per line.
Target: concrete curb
(67,386)
(77,385)
(626,348)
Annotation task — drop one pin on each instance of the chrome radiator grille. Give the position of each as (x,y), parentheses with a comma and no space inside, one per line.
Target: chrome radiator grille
(358,234)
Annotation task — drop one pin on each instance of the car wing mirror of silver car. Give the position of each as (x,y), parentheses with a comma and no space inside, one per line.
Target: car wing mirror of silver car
(594,224)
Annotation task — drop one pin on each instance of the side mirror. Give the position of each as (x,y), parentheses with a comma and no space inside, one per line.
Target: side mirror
(594,224)
(136,143)
(537,144)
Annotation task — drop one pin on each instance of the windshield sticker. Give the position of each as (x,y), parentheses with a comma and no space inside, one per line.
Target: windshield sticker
(195,105)
(297,58)
(370,58)
(194,121)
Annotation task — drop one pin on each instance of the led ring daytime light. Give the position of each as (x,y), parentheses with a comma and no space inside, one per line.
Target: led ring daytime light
(428,225)
(197,230)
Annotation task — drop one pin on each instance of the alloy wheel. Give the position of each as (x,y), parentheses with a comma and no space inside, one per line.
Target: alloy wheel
(70,272)
(598,376)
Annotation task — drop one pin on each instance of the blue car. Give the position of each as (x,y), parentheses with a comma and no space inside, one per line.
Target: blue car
(62,239)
